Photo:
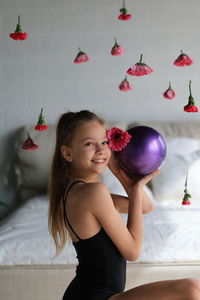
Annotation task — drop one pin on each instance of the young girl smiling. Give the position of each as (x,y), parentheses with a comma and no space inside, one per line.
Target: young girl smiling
(82,207)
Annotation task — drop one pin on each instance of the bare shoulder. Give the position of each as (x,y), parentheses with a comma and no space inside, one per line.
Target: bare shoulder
(95,191)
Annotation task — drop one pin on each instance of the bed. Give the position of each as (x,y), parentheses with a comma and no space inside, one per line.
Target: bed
(28,269)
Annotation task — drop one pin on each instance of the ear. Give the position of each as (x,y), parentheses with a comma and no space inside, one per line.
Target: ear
(66,152)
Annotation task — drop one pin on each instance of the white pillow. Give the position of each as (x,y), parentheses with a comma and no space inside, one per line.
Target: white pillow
(182,155)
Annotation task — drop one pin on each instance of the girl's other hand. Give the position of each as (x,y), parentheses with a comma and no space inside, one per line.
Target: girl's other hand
(136,181)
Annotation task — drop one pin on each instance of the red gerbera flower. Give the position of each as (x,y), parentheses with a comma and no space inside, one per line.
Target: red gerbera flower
(169,93)
(118,139)
(81,57)
(124,16)
(117,49)
(139,69)
(29,144)
(183,60)
(41,123)
(187,196)
(18,34)
(125,86)
(191,107)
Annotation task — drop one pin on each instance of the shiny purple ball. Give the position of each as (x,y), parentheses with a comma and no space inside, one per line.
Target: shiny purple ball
(144,153)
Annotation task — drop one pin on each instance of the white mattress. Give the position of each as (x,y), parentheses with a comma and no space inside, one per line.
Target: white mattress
(172,234)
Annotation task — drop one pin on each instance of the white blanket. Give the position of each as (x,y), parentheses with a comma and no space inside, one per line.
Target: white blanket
(172,234)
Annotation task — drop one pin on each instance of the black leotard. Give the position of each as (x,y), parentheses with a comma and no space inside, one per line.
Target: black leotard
(101,269)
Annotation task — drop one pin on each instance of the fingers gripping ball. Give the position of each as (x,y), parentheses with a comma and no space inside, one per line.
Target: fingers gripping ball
(145,152)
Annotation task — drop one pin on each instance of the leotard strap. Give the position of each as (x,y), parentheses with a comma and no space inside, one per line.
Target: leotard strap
(66,220)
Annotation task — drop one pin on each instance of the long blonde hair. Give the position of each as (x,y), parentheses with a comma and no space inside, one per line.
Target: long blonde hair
(68,123)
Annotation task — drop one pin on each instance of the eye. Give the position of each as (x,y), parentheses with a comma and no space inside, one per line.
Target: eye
(89,144)
(105,142)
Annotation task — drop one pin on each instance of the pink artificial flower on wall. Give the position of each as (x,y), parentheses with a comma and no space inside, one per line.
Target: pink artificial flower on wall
(124,16)
(169,93)
(190,107)
(139,69)
(81,57)
(18,34)
(41,123)
(117,49)
(29,144)
(125,86)
(183,60)
(118,139)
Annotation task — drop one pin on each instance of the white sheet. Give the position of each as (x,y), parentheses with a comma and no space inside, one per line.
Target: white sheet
(172,234)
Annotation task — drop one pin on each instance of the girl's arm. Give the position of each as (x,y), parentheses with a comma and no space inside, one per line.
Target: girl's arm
(127,238)
(121,203)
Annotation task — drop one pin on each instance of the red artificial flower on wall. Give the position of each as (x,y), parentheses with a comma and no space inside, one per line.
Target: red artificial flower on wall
(18,34)
(41,123)
(169,93)
(187,196)
(81,57)
(139,69)
(191,107)
(124,16)
(117,49)
(118,138)
(183,60)
(29,144)
(125,86)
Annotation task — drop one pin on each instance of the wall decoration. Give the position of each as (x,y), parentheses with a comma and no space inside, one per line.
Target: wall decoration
(81,57)
(41,123)
(125,86)
(191,107)
(117,49)
(139,69)
(19,35)
(183,60)
(169,93)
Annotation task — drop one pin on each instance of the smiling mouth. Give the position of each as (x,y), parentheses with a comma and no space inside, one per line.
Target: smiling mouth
(99,161)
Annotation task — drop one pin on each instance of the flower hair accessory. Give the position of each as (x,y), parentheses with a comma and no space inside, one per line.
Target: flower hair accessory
(41,123)
(118,138)
(139,69)
(191,107)
(18,34)
(183,60)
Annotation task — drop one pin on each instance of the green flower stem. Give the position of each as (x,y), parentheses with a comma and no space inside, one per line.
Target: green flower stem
(190,89)
(141,56)
(170,87)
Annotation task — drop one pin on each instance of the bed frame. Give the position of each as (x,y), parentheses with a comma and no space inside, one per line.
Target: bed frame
(45,282)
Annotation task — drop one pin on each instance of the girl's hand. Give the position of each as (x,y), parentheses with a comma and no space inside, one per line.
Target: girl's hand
(136,181)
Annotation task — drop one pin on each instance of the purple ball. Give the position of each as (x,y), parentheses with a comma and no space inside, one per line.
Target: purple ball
(144,153)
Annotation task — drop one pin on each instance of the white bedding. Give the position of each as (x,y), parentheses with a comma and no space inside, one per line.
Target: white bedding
(172,234)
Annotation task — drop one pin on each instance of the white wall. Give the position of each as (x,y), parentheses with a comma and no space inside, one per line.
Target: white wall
(40,72)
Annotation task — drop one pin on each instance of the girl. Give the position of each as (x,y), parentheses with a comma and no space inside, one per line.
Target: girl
(82,207)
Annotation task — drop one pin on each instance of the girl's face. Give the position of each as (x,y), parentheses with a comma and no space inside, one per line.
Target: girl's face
(89,152)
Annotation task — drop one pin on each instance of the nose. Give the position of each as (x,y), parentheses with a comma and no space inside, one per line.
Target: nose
(99,149)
